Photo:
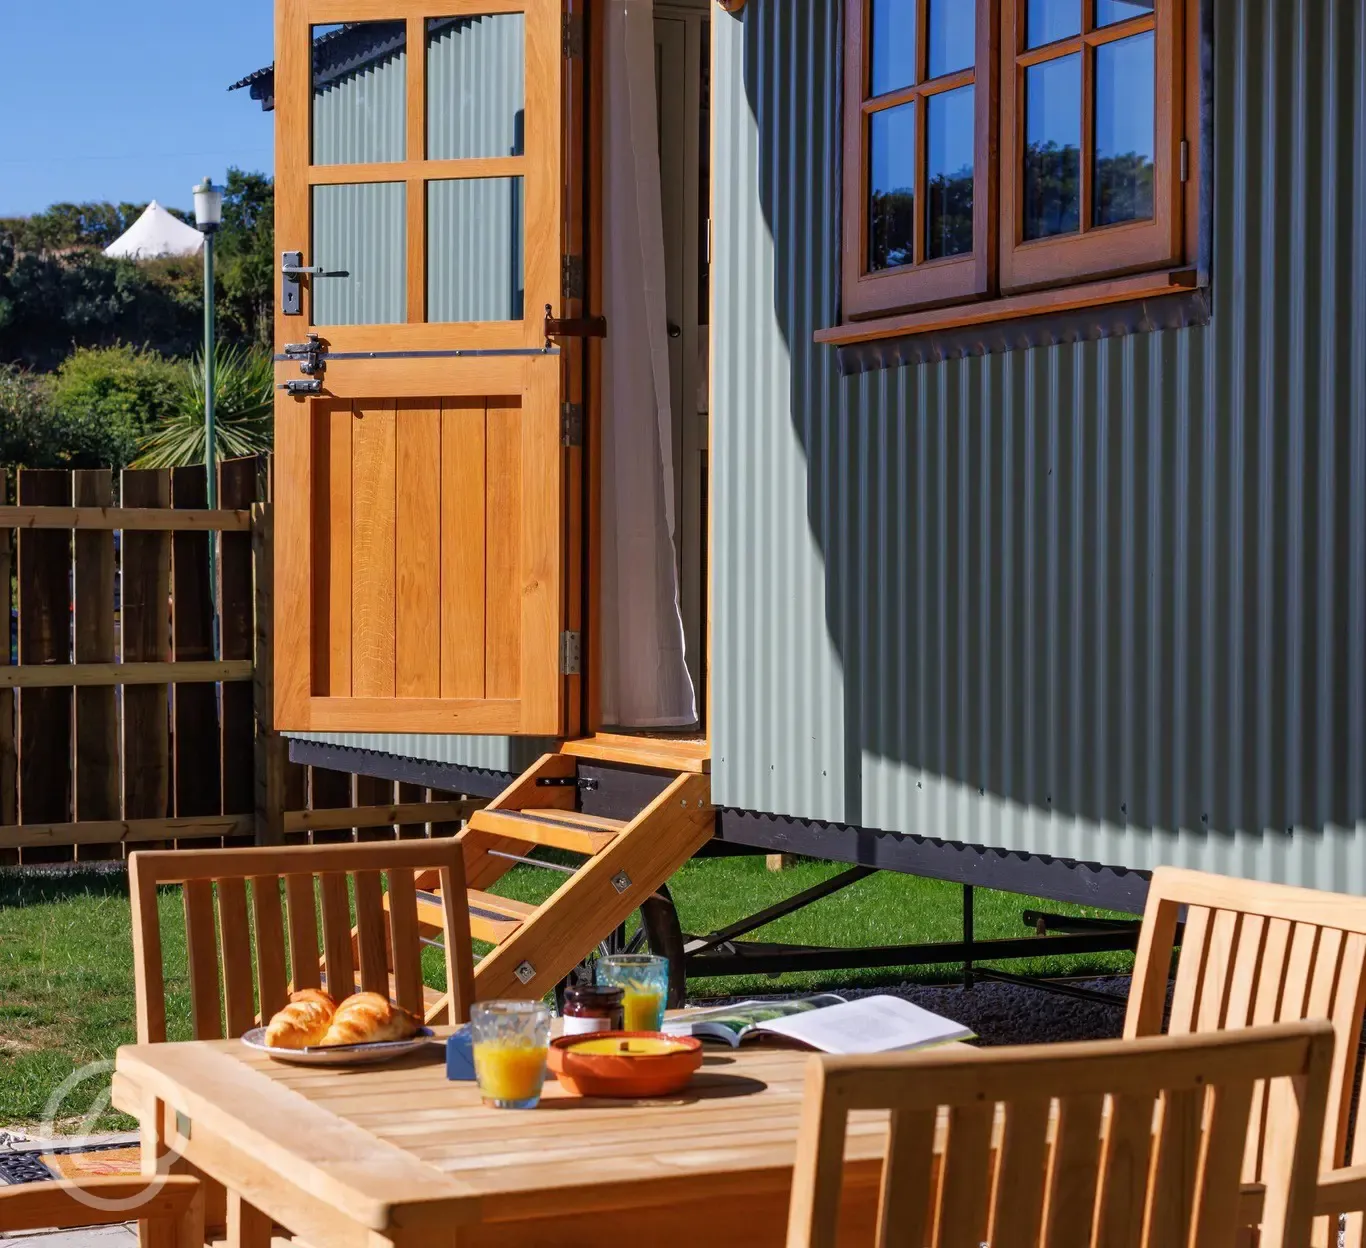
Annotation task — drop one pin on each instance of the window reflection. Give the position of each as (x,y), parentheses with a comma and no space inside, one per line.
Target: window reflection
(893,52)
(1108,12)
(1126,81)
(949,143)
(1049,20)
(1052,158)
(360,102)
(891,188)
(953,33)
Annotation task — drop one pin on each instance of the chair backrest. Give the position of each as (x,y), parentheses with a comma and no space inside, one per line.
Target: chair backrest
(165,1201)
(317,880)
(1115,1143)
(1253,954)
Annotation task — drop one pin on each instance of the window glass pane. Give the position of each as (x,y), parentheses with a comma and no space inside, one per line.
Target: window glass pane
(953,34)
(476,86)
(360,93)
(1052,157)
(475,250)
(361,231)
(949,140)
(1108,12)
(893,53)
(1126,125)
(891,187)
(1047,20)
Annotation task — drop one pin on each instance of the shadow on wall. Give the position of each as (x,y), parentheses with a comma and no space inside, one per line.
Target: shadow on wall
(1122,581)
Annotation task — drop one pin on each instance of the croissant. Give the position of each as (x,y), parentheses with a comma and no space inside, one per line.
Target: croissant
(303,1022)
(367,1017)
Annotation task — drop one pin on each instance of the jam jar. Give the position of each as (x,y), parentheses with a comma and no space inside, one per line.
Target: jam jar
(592,1007)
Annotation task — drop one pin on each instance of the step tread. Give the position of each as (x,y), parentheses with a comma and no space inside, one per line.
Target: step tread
(540,827)
(574,818)
(492,919)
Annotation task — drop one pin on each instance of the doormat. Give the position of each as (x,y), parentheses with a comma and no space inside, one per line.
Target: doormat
(97,1160)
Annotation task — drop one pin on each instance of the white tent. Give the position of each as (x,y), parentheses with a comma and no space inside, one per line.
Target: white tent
(154,234)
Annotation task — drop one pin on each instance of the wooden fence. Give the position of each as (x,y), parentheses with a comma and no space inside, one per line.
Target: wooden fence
(118,727)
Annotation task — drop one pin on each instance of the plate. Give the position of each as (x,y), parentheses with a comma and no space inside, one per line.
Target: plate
(340,1054)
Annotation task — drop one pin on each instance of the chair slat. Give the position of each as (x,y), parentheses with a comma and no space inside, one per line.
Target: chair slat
(459,970)
(1247,965)
(272,977)
(370,933)
(1125,1156)
(404,943)
(234,934)
(1220,947)
(148,975)
(1190,971)
(201,951)
(1265,1009)
(1299,971)
(1348,1005)
(818,1173)
(1072,1181)
(336,904)
(1327,962)
(1147,1005)
(303,931)
(962,1211)
(905,1206)
(1171,1199)
(1021,1173)
(1219,1172)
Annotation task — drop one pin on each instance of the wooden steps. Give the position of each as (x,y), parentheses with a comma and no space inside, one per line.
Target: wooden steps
(555,829)
(657,753)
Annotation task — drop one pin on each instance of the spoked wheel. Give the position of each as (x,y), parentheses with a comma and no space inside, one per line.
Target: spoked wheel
(659,932)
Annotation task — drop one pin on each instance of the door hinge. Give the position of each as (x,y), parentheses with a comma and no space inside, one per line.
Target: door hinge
(571,658)
(1185,160)
(573,39)
(571,424)
(573,284)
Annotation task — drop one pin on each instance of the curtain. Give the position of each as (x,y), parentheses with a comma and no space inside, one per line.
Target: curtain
(645,679)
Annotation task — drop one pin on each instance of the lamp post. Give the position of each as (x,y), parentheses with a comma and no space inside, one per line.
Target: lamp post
(208,215)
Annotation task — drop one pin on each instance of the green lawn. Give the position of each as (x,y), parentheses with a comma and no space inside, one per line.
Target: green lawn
(66,974)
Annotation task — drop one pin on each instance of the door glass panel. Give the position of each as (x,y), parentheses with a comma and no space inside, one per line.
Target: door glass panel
(360,84)
(475,250)
(953,33)
(891,187)
(360,231)
(1126,127)
(1108,12)
(893,52)
(476,86)
(949,141)
(1052,157)
(1049,20)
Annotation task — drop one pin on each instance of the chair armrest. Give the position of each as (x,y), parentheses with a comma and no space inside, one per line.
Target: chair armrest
(36,1206)
(1341,1191)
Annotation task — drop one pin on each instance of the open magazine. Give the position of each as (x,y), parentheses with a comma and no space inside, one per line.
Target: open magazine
(878,1024)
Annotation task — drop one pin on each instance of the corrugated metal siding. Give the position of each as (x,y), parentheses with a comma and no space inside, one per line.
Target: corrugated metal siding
(476,88)
(1101,600)
(475,252)
(361,229)
(361,118)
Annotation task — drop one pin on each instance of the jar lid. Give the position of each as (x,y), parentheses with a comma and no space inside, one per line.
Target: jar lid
(594,994)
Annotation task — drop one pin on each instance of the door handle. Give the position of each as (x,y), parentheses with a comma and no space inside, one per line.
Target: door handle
(294,269)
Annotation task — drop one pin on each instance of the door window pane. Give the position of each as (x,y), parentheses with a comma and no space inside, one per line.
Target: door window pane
(476,86)
(953,35)
(1052,157)
(1049,20)
(475,260)
(1108,12)
(949,140)
(891,187)
(1126,125)
(360,100)
(893,38)
(361,232)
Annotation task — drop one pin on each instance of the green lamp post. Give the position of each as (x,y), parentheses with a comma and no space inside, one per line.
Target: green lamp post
(208,215)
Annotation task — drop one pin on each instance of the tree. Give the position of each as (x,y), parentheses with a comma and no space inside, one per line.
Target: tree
(245,253)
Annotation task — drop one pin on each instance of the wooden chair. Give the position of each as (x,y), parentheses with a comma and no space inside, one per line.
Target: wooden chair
(1108,1144)
(169,1207)
(1252,954)
(386,955)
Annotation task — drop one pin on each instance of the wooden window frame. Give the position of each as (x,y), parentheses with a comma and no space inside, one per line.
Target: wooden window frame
(924,282)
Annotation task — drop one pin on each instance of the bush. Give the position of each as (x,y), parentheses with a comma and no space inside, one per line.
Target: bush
(244,407)
(106,399)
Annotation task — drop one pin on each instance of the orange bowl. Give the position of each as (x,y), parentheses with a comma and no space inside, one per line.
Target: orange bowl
(624,1063)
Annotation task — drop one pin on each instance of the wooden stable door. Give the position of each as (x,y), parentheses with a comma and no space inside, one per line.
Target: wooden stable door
(421,483)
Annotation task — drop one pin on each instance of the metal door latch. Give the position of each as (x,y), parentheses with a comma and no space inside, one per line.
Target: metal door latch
(308,355)
(299,387)
(572,327)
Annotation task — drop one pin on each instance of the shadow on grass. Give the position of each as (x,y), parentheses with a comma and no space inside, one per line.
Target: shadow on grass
(27,887)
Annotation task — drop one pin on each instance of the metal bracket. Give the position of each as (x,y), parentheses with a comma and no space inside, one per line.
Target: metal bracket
(573,326)
(621,881)
(586,783)
(298,387)
(573,282)
(571,424)
(572,36)
(183,1125)
(308,355)
(571,655)
(526,972)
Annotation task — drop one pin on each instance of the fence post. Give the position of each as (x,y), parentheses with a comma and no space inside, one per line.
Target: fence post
(272,754)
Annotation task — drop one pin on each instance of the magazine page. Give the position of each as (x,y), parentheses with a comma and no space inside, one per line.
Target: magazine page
(733,1023)
(878,1024)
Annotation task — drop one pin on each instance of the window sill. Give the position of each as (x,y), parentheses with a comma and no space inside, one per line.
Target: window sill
(1014,307)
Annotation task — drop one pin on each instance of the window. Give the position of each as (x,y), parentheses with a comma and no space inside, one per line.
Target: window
(995,148)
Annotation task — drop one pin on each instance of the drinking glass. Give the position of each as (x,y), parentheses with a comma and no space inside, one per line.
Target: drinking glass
(644,979)
(509,1042)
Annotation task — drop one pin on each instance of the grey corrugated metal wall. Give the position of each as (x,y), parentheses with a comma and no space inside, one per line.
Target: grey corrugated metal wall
(362,117)
(476,87)
(361,229)
(1103,600)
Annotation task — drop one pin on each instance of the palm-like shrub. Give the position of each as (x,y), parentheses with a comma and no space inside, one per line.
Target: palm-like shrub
(244,384)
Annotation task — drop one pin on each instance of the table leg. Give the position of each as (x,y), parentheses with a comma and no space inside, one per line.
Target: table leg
(248,1227)
(189,1232)
(157,1234)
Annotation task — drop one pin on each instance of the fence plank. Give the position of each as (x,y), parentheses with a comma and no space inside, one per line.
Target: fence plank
(140,519)
(272,770)
(9,771)
(411,794)
(45,637)
(145,636)
(97,724)
(373,791)
(237,489)
(197,746)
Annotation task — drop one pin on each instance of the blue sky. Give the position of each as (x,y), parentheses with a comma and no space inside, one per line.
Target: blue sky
(128,100)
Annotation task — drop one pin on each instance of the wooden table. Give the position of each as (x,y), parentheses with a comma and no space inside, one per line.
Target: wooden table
(399,1155)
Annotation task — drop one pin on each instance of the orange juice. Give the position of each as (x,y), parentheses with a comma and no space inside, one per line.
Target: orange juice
(643,1010)
(636,1046)
(509,1072)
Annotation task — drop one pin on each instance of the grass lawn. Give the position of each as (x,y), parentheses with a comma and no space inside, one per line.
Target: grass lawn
(66,963)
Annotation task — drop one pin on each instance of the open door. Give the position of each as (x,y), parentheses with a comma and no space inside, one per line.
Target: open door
(421,477)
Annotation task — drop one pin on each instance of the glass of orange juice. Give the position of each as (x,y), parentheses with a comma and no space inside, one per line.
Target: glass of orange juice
(644,979)
(509,1040)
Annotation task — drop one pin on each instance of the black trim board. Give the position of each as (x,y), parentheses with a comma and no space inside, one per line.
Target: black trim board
(450,777)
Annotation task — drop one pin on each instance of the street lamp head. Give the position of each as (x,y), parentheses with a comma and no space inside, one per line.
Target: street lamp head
(208,206)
